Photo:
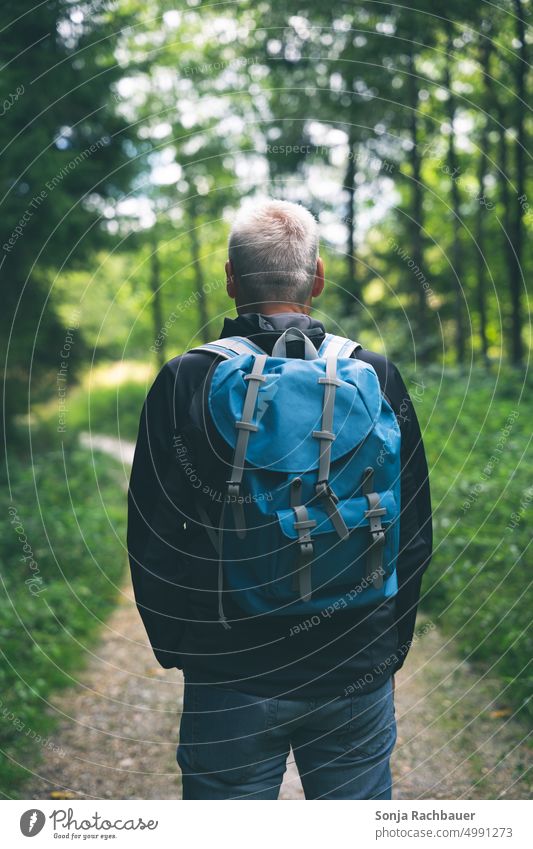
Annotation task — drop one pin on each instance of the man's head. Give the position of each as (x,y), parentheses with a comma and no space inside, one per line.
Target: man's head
(273,261)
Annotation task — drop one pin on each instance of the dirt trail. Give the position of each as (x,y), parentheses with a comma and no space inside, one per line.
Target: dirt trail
(118,727)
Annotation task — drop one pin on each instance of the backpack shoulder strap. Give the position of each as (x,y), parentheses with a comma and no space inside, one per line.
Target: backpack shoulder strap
(331,349)
(337,346)
(231,346)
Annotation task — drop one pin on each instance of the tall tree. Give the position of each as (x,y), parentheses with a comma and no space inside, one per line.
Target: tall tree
(453,174)
(157,306)
(64,159)
(485,51)
(520,67)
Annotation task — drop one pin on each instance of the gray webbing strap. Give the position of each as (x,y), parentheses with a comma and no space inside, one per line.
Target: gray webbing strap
(295,501)
(330,503)
(220,588)
(374,570)
(303,525)
(204,516)
(291,335)
(245,426)
(231,346)
(216,540)
(326,437)
(337,346)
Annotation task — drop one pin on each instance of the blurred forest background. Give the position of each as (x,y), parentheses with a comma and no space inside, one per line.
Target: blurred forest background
(130,133)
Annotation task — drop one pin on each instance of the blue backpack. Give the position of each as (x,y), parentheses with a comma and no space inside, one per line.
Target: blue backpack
(310,521)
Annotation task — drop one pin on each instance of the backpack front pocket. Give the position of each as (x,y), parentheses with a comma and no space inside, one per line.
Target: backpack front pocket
(360,567)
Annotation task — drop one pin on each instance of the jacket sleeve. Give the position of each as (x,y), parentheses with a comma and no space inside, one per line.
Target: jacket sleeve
(156,524)
(416,536)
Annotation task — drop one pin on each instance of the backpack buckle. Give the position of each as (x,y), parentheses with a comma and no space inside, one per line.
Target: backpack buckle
(233,489)
(305,524)
(324,490)
(378,536)
(247,426)
(233,496)
(330,500)
(377,530)
(302,576)
(306,549)
(259,377)
(377,544)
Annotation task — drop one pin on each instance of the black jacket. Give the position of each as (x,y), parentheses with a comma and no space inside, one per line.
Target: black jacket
(178,459)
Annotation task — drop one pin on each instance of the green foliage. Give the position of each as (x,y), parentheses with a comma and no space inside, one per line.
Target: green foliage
(67,519)
(359,111)
(477,431)
(113,410)
(65,159)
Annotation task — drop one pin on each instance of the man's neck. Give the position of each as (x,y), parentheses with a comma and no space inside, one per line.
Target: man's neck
(275,308)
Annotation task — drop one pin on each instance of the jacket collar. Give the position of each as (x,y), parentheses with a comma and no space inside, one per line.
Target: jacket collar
(265,330)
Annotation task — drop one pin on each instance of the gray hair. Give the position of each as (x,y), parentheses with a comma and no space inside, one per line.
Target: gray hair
(273,248)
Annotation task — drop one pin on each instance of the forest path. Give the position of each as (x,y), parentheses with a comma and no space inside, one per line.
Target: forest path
(118,727)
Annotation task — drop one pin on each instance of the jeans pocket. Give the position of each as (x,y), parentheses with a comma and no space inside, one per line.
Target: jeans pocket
(222,733)
(373,723)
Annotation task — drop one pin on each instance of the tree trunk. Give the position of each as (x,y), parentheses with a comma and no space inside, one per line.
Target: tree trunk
(157,306)
(517,233)
(457,256)
(480,240)
(351,263)
(503,187)
(481,212)
(416,224)
(199,294)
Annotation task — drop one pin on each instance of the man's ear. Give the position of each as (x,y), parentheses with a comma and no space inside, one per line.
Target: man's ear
(230,280)
(318,283)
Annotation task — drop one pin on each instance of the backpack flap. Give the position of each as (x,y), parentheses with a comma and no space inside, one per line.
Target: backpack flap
(289,409)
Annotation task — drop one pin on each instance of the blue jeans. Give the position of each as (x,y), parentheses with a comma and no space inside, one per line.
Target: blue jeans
(235,746)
